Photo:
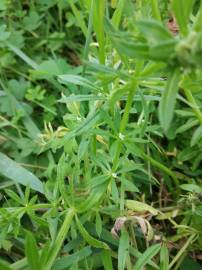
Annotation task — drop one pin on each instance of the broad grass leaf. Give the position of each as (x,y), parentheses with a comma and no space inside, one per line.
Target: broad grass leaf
(31,251)
(123,249)
(164,258)
(196,136)
(147,256)
(88,238)
(69,260)
(168,100)
(18,174)
(140,207)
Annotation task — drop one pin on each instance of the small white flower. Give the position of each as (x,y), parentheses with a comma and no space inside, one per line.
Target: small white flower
(121,136)
(114,175)
(78,118)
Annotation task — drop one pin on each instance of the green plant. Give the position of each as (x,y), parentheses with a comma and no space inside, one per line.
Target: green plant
(115,181)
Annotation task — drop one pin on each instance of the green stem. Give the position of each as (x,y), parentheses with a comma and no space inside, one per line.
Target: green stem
(182,250)
(124,122)
(59,240)
(88,35)
(193,104)
(161,167)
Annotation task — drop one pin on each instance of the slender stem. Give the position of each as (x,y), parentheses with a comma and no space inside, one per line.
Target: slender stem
(182,250)
(161,167)
(124,122)
(56,246)
(88,36)
(193,104)
(178,264)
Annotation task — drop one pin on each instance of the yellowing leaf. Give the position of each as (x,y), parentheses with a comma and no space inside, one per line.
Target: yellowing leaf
(140,207)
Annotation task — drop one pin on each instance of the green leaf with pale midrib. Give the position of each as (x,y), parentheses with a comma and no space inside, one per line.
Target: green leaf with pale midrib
(18,174)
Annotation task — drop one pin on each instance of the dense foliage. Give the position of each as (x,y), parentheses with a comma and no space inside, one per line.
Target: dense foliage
(100,134)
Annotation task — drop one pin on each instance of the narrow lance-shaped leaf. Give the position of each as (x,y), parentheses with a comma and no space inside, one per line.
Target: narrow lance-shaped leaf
(154,31)
(31,251)
(147,256)
(89,239)
(116,19)
(56,246)
(164,258)
(196,136)
(18,174)
(107,260)
(140,207)
(182,10)
(77,80)
(123,249)
(168,100)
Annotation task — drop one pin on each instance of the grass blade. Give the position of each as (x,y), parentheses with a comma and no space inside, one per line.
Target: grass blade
(18,174)
(147,256)
(89,239)
(31,252)
(123,250)
(164,258)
